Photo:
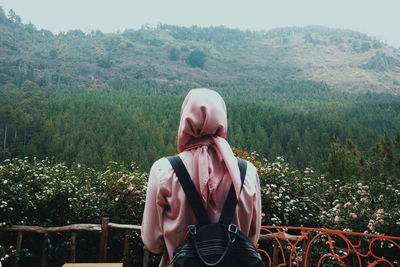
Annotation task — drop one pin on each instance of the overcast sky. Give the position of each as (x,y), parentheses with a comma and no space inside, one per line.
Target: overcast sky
(378,18)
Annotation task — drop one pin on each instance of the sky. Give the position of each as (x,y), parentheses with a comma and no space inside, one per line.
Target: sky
(377,18)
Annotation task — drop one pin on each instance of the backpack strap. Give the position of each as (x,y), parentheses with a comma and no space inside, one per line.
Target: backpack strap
(190,190)
(230,203)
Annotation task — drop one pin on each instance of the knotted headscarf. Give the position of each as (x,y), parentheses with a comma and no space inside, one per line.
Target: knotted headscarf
(203,128)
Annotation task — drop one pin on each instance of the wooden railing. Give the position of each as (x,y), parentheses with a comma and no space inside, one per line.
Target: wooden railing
(74,229)
(277,246)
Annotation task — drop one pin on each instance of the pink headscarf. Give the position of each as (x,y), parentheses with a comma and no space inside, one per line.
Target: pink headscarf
(203,128)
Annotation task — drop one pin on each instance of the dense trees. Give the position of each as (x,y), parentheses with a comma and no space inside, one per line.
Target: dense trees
(381,162)
(137,121)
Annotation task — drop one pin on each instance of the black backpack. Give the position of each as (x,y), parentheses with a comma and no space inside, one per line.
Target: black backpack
(213,244)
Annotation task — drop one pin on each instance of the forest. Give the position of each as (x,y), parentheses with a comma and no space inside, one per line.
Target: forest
(138,121)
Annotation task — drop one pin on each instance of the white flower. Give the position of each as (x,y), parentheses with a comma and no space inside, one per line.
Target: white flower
(347,204)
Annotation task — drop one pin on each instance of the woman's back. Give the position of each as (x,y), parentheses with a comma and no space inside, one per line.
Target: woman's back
(165,224)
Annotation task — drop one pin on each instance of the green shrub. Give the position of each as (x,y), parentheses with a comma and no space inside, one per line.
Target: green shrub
(196,59)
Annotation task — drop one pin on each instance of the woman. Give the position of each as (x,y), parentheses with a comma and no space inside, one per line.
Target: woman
(213,169)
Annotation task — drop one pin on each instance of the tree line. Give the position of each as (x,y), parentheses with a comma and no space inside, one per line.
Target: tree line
(138,121)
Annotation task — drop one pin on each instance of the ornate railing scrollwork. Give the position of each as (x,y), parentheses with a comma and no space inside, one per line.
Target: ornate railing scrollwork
(324,247)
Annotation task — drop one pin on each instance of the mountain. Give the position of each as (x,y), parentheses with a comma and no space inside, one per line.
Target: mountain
(95,98)
(212,57)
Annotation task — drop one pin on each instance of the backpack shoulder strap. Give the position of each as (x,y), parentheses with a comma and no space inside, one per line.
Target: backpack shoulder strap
(190,190)
(231,201)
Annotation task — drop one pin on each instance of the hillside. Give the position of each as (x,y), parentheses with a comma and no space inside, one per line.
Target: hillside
(212,57)
(95,98)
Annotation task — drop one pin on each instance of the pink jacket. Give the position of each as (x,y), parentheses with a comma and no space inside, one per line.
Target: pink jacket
(167,212)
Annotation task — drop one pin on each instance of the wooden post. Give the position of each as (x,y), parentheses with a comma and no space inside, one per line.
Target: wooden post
(146,255)
(18,247)
(275,255)
(43,260)
(126,248)
(72,248)
(103,239)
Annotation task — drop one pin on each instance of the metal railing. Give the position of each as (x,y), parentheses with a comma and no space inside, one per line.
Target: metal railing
(322,247)
(308,247)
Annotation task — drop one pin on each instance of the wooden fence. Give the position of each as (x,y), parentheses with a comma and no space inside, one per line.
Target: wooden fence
(286,249)
(74,229)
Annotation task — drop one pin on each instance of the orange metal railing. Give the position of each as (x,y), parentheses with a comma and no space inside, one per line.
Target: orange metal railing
(324,247)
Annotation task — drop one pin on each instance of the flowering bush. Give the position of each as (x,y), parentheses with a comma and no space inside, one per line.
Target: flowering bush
(6,253)
(50,194)
(305,198)
(284,194)
(44,193)
(41,192)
